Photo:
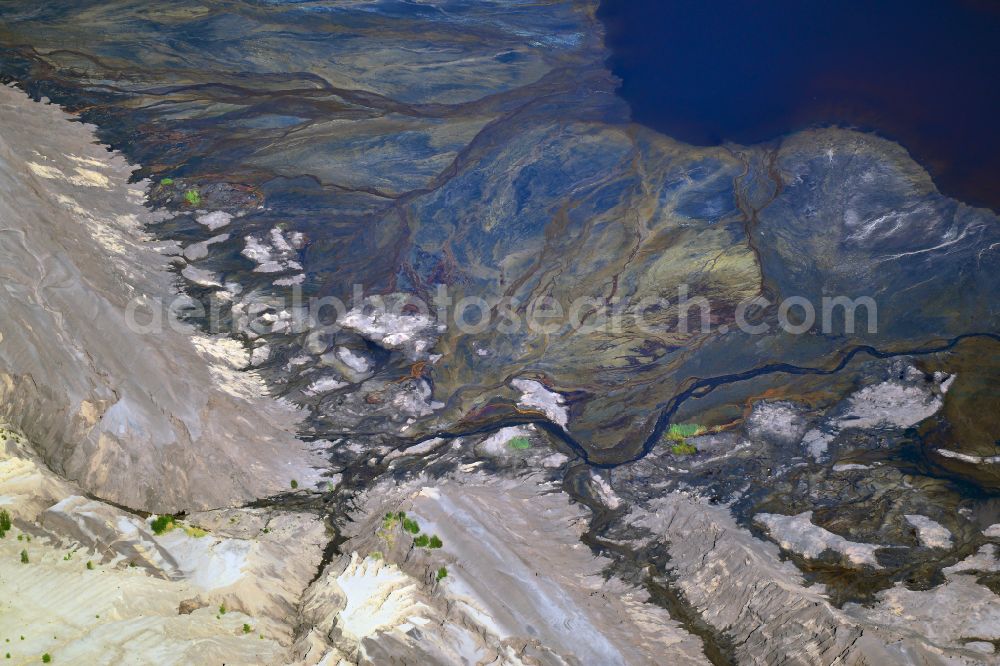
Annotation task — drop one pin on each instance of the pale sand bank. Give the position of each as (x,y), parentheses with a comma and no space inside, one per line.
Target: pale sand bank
(164,421)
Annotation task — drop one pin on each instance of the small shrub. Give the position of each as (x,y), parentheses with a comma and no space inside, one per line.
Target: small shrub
(247,628)
(5,521)
(162,524)
(46,658)
(20,537)
(222,609)
(167,181)
(411,526)
(24,560)
(519,443)
(435,542)
(684,449)
(193,197)
(421,541)
(295,484)
(90,565)
(442,572)
(680,431)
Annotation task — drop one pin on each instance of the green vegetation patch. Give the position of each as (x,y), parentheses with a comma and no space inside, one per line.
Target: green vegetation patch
(435,542)
(680,431)
(422,541)
(441,573)
(684,449)
(193,197)
(5,523)
(24,557)
(162,524)
(411,526)
(519,443)
(167,182)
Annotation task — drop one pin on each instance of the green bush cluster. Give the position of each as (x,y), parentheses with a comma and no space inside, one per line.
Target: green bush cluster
(678,434)
(442,572)
(411,526)
(427,541)
(5,523)
(24,557)
(162,524)
(683,430)
(193,197)
(684,449)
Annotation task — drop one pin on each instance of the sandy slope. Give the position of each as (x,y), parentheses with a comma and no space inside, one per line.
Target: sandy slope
(99,587)
(162,421)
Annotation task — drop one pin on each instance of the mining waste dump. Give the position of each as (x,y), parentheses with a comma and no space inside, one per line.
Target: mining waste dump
(378,332)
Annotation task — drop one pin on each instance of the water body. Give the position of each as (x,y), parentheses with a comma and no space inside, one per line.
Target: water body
(921,73)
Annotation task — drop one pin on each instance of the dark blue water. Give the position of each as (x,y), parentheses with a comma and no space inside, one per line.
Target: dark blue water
(925,73)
